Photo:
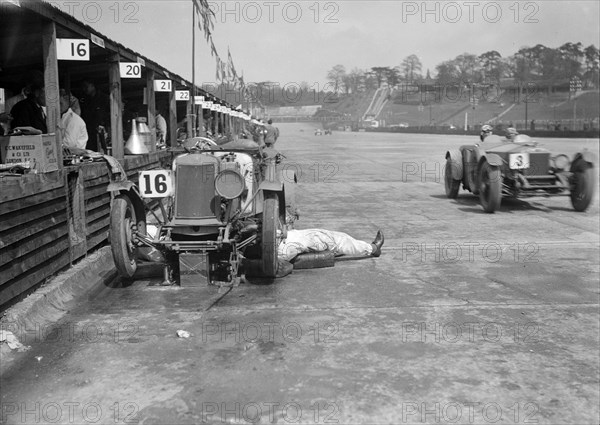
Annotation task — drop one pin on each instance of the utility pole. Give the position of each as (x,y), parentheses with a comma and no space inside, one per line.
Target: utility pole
(430,117)
(526,105)
(193,116)
(574,86)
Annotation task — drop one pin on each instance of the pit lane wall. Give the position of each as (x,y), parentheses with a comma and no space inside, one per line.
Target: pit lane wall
(50,221)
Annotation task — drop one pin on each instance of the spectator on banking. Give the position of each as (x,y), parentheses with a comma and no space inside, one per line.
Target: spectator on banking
(72,127)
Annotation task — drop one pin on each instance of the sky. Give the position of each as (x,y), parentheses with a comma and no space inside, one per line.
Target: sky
(293,41)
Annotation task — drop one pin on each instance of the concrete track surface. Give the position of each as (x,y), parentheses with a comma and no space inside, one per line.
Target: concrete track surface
(466,317)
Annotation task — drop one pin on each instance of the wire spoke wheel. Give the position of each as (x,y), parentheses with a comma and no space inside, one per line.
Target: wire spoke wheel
(124,224)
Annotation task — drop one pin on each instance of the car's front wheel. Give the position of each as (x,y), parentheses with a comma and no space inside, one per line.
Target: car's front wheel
(582,187)
(490,187)
(269,241)
(123,225)
(452,186)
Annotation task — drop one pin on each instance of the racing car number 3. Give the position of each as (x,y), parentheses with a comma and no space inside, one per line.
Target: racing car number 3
(156,184)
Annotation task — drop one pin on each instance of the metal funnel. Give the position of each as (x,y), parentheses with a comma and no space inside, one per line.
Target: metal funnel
(135,144)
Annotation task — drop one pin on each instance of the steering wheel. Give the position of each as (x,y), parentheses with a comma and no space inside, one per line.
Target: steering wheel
(205,144)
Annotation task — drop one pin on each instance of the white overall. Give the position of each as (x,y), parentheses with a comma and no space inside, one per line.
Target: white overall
(318,240)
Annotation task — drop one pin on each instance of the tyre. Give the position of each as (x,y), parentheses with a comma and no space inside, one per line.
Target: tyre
(583,185)
(123,222)
(270,225)
(452,186)
(490,187)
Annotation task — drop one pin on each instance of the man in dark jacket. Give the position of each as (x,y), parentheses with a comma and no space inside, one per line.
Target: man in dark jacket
(29,112)
(95,111)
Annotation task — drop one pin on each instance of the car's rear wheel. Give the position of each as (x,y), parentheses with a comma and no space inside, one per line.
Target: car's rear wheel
(123,225)
(583,185)
(452,186)
(270,225)
(490,187)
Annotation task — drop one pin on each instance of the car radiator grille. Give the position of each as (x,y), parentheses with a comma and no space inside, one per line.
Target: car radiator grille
(539,164)
(195,192)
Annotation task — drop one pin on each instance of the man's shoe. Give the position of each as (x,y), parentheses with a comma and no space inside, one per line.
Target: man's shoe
(377,243)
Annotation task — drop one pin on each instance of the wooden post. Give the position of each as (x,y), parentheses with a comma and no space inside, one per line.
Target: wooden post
(116,114)
(172,118)
(151,106)
(51,85)
(189,116)
(201,121)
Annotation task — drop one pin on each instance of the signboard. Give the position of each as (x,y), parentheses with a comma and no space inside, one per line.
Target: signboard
(163,86)
(156,184)
(182,95)
(73,49)
(130,70)
(198,100)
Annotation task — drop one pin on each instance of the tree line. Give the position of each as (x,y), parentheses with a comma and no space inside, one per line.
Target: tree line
(538,64)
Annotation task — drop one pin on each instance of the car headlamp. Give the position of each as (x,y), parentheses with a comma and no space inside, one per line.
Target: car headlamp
(229,184)
(560,162)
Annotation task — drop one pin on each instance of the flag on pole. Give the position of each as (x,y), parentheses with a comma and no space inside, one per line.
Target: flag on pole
(231,67)
(206,15)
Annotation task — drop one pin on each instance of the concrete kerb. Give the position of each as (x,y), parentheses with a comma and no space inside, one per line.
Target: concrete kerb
(50,302)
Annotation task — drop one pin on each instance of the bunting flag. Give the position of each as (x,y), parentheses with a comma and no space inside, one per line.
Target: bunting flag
(230,66)
(213,49)
(225,72)
(206,15)
(218,70)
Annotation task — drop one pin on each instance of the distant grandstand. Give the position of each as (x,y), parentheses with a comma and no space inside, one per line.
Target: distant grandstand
(544,110)
(292,113)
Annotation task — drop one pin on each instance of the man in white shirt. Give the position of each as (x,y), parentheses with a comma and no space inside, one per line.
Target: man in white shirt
(161,130)
(72,126)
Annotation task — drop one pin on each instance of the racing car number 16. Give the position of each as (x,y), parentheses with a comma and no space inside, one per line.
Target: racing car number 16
(155,184)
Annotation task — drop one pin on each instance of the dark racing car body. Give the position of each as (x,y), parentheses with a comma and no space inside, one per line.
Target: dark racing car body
(500,168)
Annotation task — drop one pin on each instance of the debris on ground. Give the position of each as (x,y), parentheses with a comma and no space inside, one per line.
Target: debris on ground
(183,334)
(12,341)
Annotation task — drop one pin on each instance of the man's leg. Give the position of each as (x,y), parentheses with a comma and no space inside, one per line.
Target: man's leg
(347,245)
